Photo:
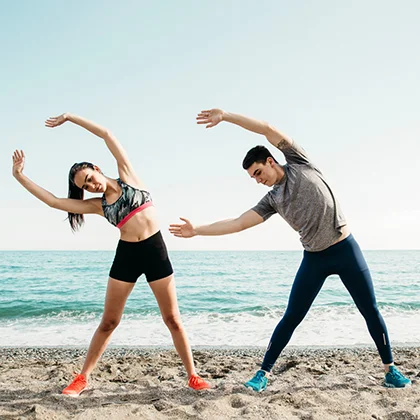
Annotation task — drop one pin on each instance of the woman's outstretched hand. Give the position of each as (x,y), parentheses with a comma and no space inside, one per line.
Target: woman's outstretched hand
(56,121)
(186,230)
(18,162)
(211,117)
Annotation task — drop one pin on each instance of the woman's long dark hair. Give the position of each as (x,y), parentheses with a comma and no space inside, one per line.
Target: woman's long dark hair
(77,220)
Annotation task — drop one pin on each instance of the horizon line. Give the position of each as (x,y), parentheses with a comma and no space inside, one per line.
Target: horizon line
(196,250)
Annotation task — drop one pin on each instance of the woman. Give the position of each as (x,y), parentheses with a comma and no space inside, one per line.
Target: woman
(128,205)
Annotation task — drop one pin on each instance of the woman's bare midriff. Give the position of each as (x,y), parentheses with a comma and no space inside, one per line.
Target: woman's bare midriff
(141,226)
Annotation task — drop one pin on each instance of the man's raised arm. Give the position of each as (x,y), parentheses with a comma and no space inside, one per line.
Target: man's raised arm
(212,117)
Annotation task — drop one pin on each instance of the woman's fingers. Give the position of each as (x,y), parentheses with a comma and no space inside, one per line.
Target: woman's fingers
(18,156)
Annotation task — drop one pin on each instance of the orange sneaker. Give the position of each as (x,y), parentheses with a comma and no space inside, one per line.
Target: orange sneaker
(78,385)
(197,383)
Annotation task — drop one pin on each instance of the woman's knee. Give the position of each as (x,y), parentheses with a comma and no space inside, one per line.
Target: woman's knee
(109,324)
(173,322)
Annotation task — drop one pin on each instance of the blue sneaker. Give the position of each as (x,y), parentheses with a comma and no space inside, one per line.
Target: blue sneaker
(259,382)
(395,379)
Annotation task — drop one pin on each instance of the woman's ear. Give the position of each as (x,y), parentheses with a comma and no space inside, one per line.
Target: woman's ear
(97,168)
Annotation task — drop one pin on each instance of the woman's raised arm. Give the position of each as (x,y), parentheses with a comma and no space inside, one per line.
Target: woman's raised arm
(125,169)
(90,206)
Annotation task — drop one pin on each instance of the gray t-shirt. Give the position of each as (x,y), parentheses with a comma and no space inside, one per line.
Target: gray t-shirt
(304,199)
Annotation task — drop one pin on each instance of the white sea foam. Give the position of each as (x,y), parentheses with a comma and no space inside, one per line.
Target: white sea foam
(323,326)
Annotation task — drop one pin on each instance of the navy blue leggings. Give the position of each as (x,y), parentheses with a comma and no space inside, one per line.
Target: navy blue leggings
(345,259)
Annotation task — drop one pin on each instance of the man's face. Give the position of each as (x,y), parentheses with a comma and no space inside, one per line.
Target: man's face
(263,173)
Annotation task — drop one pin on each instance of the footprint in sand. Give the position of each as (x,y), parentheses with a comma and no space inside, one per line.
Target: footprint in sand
(237,402)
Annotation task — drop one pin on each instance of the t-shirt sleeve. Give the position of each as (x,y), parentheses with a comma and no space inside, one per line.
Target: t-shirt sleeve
(296,155)
(264,208)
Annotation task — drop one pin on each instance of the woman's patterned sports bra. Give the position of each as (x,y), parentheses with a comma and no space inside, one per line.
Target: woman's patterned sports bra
(130,202)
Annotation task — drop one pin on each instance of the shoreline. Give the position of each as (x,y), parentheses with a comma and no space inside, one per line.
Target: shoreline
(257,351)
(150,383)
(224,347)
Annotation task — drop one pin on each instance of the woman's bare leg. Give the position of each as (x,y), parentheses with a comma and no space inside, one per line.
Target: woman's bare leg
(165,293)
(116,296)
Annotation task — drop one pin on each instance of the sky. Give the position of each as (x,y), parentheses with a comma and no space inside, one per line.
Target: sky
(340,78)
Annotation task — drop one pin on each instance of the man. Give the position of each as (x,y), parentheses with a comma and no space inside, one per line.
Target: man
(304,199)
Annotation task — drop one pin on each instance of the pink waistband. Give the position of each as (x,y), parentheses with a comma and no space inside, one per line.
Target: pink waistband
(131,214)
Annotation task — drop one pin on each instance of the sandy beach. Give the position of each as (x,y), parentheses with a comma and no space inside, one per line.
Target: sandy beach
(133,383)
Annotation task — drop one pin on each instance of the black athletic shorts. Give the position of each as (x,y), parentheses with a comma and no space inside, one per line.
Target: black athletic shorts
(149,257)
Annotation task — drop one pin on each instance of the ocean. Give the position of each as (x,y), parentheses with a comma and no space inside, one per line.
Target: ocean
(55,298)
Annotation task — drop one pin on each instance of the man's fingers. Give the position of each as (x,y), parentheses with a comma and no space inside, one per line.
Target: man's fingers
(176,232)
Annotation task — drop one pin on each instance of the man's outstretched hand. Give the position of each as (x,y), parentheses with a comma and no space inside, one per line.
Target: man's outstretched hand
(184,230)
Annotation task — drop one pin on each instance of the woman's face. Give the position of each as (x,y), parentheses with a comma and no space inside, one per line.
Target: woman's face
(91,180)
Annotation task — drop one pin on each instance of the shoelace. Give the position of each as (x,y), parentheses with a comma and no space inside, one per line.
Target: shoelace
(78,380)
(259,375)
(195,380)
(395,373)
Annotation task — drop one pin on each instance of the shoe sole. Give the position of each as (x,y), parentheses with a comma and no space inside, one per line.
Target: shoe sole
(255,390)
(396,387)
(74,395)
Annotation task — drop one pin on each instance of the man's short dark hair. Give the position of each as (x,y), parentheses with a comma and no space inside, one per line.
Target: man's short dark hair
(257,154)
